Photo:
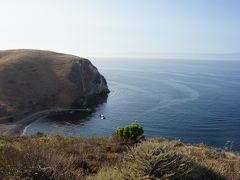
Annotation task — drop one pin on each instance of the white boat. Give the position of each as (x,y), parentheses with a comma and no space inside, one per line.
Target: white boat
(102,116)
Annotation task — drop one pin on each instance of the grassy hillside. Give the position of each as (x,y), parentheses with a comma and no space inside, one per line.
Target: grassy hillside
(56,157)
(35,80)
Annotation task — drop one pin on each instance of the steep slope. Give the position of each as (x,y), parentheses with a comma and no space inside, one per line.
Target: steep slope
(32,80)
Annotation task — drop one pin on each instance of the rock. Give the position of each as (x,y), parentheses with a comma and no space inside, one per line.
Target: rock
(33,80)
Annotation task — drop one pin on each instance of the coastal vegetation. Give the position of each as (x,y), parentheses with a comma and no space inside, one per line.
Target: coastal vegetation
(57,157)
(133,132)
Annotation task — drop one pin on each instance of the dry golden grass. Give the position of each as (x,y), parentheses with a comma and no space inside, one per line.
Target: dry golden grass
(57,157)
(36,80)
(227,164)
(154,160)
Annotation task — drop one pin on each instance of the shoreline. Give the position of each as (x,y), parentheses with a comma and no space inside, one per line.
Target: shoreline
(23,133)
(18,127)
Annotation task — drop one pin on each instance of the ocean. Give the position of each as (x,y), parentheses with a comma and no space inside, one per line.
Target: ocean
(192,100)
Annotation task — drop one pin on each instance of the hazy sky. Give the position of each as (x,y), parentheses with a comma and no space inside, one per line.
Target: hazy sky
(121,27)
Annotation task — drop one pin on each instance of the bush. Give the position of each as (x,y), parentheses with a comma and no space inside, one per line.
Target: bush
(132,132)
(39,135)
(153,160)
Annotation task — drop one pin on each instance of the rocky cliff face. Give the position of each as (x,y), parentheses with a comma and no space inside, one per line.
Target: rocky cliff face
(32,80)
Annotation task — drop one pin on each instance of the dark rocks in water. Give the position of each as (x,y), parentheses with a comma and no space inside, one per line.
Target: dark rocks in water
(34,80)
(70,115)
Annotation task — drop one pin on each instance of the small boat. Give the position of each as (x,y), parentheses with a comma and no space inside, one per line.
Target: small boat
(102,116)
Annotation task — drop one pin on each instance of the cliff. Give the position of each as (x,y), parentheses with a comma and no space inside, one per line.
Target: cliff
(33,80)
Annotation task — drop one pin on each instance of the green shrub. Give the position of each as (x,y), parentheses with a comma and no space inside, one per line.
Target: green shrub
(131,132)
(39,135)
(2,144)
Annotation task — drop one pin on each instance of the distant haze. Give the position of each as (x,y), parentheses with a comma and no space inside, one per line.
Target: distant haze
(124,28)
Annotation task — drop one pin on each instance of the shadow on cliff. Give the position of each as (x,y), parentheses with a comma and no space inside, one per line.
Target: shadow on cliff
(77,117)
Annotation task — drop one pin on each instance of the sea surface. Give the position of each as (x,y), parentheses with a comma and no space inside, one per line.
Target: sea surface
(192,100)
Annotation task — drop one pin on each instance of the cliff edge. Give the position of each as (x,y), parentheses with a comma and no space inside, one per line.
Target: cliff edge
(33,80)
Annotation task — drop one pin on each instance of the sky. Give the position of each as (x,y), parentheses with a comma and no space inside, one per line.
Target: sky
(122,28)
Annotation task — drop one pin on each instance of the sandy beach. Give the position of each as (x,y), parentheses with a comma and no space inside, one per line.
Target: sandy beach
(16,128)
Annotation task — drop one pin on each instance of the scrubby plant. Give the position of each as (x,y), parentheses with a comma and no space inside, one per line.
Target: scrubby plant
(39,135)
(2,144)
(55,157)
(153,160)
(131,132)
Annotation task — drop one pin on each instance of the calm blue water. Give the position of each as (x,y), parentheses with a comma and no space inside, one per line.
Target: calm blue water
(195,101)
